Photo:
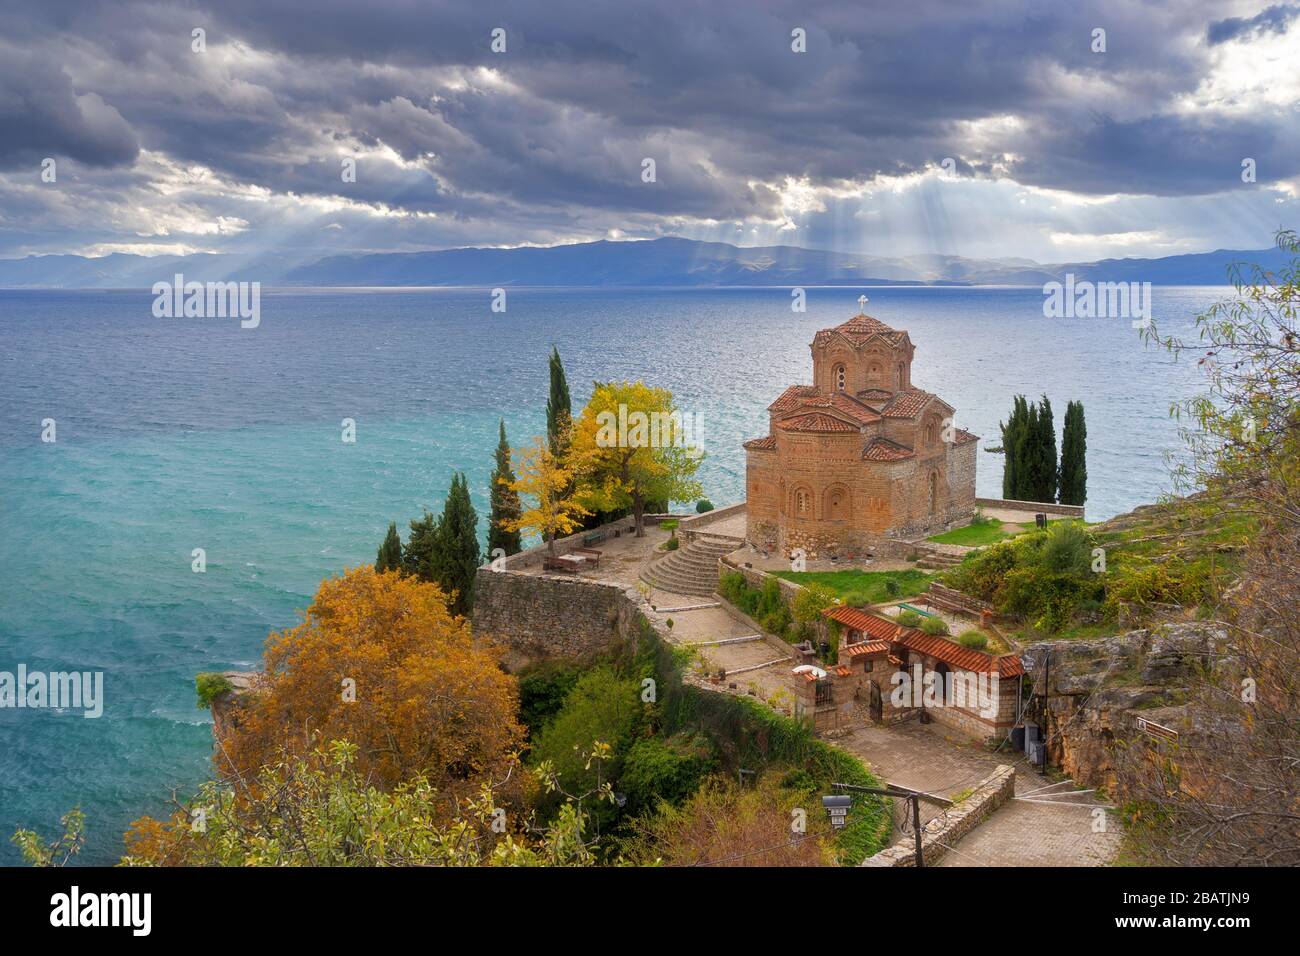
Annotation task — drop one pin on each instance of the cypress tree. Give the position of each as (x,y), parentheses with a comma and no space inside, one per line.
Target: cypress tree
(1048,476)
(1014,434)
(505,502)
(421,543)
(559,408)
(1074,452)
(456,557)
(1030,456)
(390,552)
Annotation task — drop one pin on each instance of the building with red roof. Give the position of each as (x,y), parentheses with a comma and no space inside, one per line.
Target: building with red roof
(861,459)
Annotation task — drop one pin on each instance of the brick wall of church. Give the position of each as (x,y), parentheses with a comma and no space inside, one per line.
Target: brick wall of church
(762,498)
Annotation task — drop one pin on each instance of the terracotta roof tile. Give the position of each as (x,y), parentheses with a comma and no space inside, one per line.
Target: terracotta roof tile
(790,398)
(866,647)
(860,328)
(875,395)
(882,449)
(940,648)
(963,436)
(882,629)
(817,422)
(908,403)
(842,670)
(767,441)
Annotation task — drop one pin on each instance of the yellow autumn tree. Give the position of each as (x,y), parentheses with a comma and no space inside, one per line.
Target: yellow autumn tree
(380,661)
(548,483)
(632,445)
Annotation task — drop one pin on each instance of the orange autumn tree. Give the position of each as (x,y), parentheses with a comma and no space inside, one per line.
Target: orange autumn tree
(548,483)
(379,660)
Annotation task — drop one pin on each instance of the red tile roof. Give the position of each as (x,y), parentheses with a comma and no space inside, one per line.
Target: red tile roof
(816,422)
(875,395)
(866,647)
(843,670)
(767,441)
(882,449)
(882,629)
(908,403)
(860,328)
(790,398)
(940,648)
(963,436)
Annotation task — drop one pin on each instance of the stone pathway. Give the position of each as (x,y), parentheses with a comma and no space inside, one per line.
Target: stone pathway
(714,624)
(1021,833)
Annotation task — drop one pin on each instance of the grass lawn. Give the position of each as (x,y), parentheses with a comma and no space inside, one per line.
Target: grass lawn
(871,584)
(981,534)
(989,531)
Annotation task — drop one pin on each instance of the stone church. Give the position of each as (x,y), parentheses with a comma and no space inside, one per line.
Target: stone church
(861,460)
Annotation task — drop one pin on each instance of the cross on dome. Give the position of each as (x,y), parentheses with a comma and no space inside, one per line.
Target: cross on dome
(862,305)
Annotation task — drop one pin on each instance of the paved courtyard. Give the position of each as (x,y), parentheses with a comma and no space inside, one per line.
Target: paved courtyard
(1043,826)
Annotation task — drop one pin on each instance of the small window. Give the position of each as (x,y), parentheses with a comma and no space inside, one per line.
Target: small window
(839,377)
(868,665)
(801,501)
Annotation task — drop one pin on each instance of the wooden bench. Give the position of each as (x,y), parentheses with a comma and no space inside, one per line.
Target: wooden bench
(555,564)
(591,554)
(596,537)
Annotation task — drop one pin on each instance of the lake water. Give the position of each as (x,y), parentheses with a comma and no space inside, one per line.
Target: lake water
(176,434)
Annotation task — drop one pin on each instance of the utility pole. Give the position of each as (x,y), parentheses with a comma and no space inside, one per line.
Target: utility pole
(912,796)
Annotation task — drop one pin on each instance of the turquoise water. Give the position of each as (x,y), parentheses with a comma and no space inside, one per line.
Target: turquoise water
(176,434)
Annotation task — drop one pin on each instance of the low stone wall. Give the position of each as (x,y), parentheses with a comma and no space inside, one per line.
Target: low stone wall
(1035,507)
(951,825)
(696,524)
(532,557)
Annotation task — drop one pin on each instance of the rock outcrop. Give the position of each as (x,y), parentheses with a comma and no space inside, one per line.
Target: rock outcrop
(1092,692)
(226,706)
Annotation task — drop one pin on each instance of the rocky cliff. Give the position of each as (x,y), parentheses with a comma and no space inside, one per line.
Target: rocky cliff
(1090,694)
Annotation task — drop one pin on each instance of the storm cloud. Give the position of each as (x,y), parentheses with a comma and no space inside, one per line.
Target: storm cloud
(241,144)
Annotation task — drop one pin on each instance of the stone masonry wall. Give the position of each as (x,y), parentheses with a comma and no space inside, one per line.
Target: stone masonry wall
(535,617)
(951,825)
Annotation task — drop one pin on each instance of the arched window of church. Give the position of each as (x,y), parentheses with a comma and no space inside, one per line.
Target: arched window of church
(801,502)
(902,374)
(931,432)
(839,377)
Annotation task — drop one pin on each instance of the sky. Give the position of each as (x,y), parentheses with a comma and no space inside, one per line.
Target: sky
(983,129)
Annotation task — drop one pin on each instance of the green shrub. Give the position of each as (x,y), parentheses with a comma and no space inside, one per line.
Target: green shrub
(811,601)
(975,640)
(665,769)
(703,505)
(542,691)
(909,618)
(892,588)
(934,626)
(671,544)
(857,599)
(210,685)
(1041,577)
(604,707)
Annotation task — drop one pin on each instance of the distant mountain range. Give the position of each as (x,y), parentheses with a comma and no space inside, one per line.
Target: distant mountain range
(657,262)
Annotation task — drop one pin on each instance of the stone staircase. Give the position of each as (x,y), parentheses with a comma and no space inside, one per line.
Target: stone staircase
(692,568)
(936,557)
